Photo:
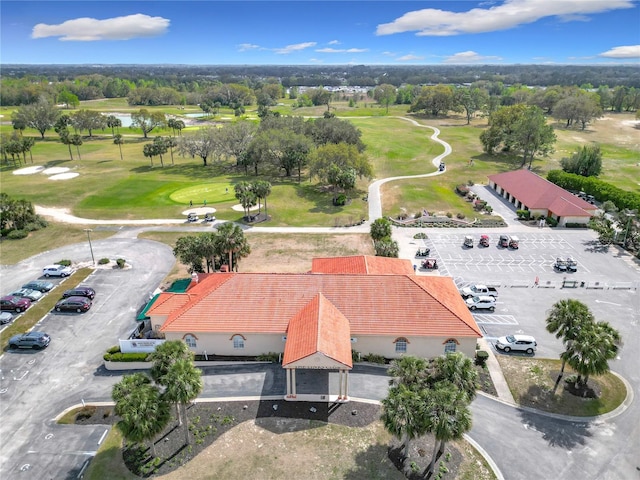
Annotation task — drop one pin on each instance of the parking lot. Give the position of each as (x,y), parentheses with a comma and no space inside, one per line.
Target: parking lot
(606,279)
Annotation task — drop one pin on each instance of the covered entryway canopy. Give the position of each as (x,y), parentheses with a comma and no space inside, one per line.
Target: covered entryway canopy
(318,337)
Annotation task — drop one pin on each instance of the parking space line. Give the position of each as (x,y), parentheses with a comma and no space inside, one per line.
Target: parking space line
(486,319)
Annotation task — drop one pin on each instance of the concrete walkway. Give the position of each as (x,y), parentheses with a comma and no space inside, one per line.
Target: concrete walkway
(495,372)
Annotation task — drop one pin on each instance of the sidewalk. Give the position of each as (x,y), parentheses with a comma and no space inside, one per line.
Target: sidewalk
(495,371)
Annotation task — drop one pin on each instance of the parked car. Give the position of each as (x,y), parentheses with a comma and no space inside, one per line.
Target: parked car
(5,317)
(80,292)
(14,304)
(503,241)
(56,271)
(35,340)
(482,302)
(33,295)
(517,343)
(40,285)
(478,289)
(73,304)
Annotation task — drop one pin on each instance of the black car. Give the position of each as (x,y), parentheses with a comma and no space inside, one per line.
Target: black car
(73,304)
(39,285)
(35,340)
(80,292)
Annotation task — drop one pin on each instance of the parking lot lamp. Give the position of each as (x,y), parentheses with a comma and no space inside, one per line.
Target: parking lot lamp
(88,230)
(630,214)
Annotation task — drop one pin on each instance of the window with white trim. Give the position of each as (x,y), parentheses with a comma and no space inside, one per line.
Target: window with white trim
(238,342)
(190,340)
(450,346)
(401,345)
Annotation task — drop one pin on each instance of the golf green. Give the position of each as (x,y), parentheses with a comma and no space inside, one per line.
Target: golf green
(207,192)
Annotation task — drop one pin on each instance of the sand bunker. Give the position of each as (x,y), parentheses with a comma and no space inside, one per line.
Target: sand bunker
(55,170)
(63,176)
(28,170)
(239,208)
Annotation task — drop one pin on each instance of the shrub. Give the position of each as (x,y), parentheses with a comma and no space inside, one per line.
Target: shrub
(488,209)
(340,200)
(470,183)
(449,215)
(355,356)
(125,357)
(481,357)
(462,190)
(114,349)
(121,262)
(420,236)
(523,214)
(269,357)
(552,222)
(65,263)
(103,261)
(374,358)
(17,234)
(386,247)
(380,228)
(576,225)
(460,216)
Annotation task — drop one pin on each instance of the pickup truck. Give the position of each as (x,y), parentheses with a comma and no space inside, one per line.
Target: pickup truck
(473,290)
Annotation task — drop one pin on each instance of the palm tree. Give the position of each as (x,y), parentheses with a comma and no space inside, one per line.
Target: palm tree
(457,369)
(113,123)
(566,319)
(230,241)
(183,383)
(77,141)
(119,140)
(171,142)
(404,414)
(449,417)
(592,350)
(408,370)
(127,385)
(144,414)
(262,189)
(165,355)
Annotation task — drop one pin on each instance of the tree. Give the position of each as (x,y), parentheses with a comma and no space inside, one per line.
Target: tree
(592,349)
(457,369)
(41,115)
(150,151)
(586,162)
(77,141)
(566,319)
(202,143)
(385,94)
(143,411)
(403,414)
(161,146)
(343,156)
(68,99)
(470,100)
(17,214)
(65,138)
(118,139)
(188,250)
(147,121)
(333,130)
(230,239)
(246,196)
(183,384)
(380,228)
(386,247)
(89,120)
(434,100)
(408,370)
(114,123)
(262,189)
(449,417)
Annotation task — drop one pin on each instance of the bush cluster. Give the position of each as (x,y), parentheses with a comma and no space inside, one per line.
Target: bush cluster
(269,357)
(103,261)
(125,357)
(121,262)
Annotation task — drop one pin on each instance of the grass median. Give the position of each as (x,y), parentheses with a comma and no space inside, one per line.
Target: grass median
(39,309)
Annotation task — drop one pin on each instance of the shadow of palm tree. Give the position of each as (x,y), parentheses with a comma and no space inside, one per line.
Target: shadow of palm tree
(558,433)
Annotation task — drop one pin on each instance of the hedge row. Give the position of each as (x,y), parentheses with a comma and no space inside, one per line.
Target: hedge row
(601,190)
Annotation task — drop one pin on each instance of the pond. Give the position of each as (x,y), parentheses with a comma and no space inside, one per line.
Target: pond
(125,118)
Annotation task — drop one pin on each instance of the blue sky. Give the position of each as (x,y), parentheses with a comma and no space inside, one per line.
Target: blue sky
(316,33)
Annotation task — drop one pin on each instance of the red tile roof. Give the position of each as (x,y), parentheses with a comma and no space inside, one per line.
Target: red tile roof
(363,264)
(319,327)
(539,193)
(373,304)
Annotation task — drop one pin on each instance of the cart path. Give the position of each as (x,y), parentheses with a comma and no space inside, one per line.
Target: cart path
(375,198)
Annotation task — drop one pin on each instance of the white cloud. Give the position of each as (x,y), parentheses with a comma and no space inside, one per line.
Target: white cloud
(510,14)
(469,57)
(629,51)
(91,29)
(294,48)
(334,42)
(342,50)
(409,58)
(243,47)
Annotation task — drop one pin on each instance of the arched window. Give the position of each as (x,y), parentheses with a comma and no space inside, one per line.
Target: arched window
(450,345)
(401,344)
(191,341)
(238,341)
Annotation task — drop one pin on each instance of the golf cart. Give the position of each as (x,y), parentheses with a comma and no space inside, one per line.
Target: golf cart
(513,242)
(441,167)
(503,241)
(423,252)
(468,241)
(560,265)
(209,217)
(572,265)
(430,264)
(484,241)
(192,217)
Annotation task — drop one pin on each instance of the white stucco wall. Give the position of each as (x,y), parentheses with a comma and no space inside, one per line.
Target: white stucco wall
(222,343)
(419,346)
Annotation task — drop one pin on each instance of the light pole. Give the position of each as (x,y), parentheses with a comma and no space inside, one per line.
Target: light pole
(88,230)
(630,215)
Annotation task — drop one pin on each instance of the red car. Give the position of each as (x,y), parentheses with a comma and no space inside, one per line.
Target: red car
(14,304)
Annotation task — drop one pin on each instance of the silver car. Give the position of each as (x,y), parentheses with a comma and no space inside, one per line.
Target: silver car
(517,343)
(33,295)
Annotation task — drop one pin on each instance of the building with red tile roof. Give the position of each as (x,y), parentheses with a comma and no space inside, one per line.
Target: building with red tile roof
(364,264)
(316,320)
(528,191)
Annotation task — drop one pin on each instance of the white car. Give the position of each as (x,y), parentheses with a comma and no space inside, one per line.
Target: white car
(517,343)
(33,295)
(481,302)
(56,271)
